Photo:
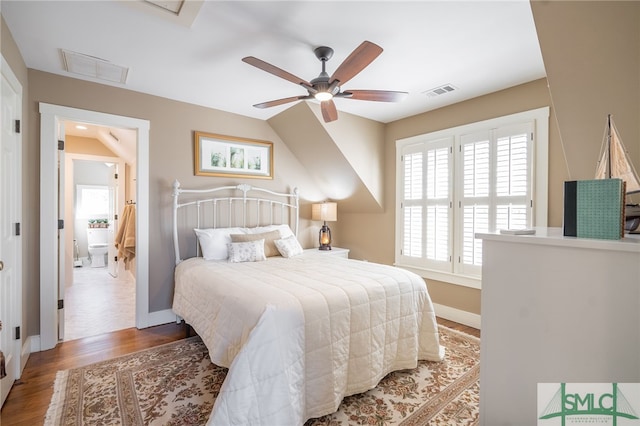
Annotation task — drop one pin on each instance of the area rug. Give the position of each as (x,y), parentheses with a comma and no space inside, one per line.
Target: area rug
(176,384)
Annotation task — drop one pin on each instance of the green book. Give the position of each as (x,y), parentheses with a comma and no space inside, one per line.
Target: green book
(600,209)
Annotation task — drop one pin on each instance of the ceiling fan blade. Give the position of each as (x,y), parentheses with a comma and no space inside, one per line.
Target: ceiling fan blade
(272,69)
(356,62)
(374,95)
(329,111)
(280,101)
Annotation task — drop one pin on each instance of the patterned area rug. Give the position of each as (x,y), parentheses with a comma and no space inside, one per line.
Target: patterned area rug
(176,384)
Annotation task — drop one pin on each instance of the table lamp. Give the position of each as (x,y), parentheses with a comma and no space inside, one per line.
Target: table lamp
(326,212)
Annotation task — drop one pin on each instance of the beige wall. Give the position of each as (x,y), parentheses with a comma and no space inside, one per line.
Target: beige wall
(372,236)
(591,52)
(171,157)
(89,146)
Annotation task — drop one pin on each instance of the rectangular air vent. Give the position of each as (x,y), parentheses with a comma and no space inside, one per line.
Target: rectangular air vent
(440,90)
(172,6)
(91,66)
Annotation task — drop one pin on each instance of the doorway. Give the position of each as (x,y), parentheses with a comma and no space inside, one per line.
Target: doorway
(52,254)
(99,292)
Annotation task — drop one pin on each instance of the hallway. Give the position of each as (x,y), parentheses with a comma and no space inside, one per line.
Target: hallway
(96,303)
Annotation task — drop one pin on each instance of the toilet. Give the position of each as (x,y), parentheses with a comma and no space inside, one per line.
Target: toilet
(97,245)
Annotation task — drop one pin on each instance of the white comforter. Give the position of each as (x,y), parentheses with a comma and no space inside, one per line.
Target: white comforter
(300,334)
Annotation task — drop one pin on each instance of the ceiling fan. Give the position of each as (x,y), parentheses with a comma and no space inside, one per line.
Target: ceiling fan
(325,88)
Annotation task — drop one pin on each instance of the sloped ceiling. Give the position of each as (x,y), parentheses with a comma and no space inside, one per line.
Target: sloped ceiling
(343,157)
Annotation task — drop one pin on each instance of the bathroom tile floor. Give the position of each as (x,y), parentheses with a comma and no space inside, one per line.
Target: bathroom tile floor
(97,303)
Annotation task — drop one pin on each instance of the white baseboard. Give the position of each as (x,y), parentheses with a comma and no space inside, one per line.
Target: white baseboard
(34,343)
(457,315)
(161,317)
(24,355)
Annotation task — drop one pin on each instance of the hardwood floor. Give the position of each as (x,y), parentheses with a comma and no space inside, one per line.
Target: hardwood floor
(29,399)
(460,327)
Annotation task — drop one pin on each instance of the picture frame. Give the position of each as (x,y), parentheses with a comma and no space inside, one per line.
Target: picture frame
(229,156)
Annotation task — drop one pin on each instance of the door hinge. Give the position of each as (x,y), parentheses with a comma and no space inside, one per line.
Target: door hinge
(115,258)
(60,145)
(60,223)
(17,126)
(60,304)
(115,217)
(17,332)
(17,229)
(115,176)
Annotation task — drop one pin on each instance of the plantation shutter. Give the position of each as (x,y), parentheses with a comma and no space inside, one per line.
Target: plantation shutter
(496,188)
(426,204)
(474,202)
(513,177)
(412,202)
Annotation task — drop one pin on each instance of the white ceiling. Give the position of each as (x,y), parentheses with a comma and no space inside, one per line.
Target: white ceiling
(477,46)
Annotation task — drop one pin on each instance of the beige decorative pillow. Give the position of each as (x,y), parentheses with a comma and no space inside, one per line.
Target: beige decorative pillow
(289,247)
(270,248)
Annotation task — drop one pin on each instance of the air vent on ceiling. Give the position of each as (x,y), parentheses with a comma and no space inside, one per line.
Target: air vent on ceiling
(91,66)
(440,90)
(172,6)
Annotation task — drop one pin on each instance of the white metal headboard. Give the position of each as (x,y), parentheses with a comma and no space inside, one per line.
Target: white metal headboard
(223,211)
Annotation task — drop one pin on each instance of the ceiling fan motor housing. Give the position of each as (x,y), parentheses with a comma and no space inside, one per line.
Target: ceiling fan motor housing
(323,53)
(321,83)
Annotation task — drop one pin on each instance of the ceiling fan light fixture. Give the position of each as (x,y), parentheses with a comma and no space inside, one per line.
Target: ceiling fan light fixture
(323,96)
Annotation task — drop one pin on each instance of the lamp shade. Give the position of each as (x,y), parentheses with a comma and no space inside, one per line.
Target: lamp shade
(327,212)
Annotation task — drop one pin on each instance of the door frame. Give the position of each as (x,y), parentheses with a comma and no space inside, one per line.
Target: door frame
(50,116)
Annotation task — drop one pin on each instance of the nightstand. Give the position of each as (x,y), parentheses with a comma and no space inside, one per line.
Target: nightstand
(335,251)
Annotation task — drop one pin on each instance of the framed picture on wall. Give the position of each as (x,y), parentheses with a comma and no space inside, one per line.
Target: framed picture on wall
(219,155)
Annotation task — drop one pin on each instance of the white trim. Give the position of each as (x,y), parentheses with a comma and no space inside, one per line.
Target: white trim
(446,277)
(50,115)
(541,183)
(24,354)
(452,314)
(161,317)
(34,343)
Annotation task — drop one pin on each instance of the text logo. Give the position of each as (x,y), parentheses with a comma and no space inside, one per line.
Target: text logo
(616,404)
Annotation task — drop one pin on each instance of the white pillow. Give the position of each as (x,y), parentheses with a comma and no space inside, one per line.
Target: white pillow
(249,251)
(284,229)
(213,241)
(289,247)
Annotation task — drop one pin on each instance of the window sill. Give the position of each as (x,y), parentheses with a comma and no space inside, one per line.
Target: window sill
(446,277)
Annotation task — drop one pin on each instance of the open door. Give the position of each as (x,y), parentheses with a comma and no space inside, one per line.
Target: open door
(61,230)
(114,208)
(10,240)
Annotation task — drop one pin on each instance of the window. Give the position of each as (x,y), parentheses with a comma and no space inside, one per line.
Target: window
(92,201)
(454,183)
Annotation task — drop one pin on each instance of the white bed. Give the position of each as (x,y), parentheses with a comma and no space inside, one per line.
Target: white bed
(297,333)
